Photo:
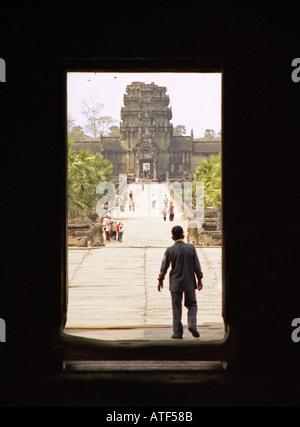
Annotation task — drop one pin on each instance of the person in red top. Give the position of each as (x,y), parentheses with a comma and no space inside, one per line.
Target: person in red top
(171,211)
(120,229)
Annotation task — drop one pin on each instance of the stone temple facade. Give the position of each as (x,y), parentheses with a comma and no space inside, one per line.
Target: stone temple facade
(147,147)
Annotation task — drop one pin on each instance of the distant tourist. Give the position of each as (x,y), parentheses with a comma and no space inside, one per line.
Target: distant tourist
(114,230)
(165,200)
(153,200)
(164,212)
(131,204)
(120,231)
(171,211)
(147,172)
(107,229)
(130,200)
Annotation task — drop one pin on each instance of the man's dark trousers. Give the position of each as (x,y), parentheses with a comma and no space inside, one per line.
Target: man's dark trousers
(190,303)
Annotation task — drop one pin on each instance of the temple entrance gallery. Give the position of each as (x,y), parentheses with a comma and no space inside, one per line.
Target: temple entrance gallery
(147,146)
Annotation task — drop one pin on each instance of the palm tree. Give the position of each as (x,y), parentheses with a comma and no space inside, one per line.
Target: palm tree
(210,173)
(85,171)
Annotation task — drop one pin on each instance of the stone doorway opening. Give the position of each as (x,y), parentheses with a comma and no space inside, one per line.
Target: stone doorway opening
(146,168)
(93,293)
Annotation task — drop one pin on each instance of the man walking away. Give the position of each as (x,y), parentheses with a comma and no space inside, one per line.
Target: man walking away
(185,266)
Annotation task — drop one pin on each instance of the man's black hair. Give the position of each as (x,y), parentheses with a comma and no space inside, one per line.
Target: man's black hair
(177,232)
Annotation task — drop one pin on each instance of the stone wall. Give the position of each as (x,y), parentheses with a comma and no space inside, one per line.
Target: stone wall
(80,231)
(210,233)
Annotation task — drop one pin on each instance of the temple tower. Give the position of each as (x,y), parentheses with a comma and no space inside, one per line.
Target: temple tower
(146,131)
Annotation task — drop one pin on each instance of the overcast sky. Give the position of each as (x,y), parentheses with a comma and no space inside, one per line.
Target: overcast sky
(195,98)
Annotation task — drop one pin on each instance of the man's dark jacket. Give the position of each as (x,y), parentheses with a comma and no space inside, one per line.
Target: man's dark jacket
(185,264)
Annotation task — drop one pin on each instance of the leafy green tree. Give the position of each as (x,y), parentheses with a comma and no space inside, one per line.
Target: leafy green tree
(179,130)
(114,131)
(76,134)
(104,124)
(210,173)
(209,134)
(85,171)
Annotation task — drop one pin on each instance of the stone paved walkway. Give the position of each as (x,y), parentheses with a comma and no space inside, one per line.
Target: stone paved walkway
(113,289)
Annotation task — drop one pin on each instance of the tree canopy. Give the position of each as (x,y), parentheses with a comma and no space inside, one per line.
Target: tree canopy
(114,131)
(210,173)
(179,130)
(95,123)
(210,135)
(85,171)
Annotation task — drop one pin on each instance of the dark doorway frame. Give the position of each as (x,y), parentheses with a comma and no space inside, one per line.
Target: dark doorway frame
(77,348)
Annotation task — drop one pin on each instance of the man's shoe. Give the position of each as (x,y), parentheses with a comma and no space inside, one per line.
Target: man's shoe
(194,332)
(176,337)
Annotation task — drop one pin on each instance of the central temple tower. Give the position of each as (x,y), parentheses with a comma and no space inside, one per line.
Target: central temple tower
(146,131)
(147,147)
